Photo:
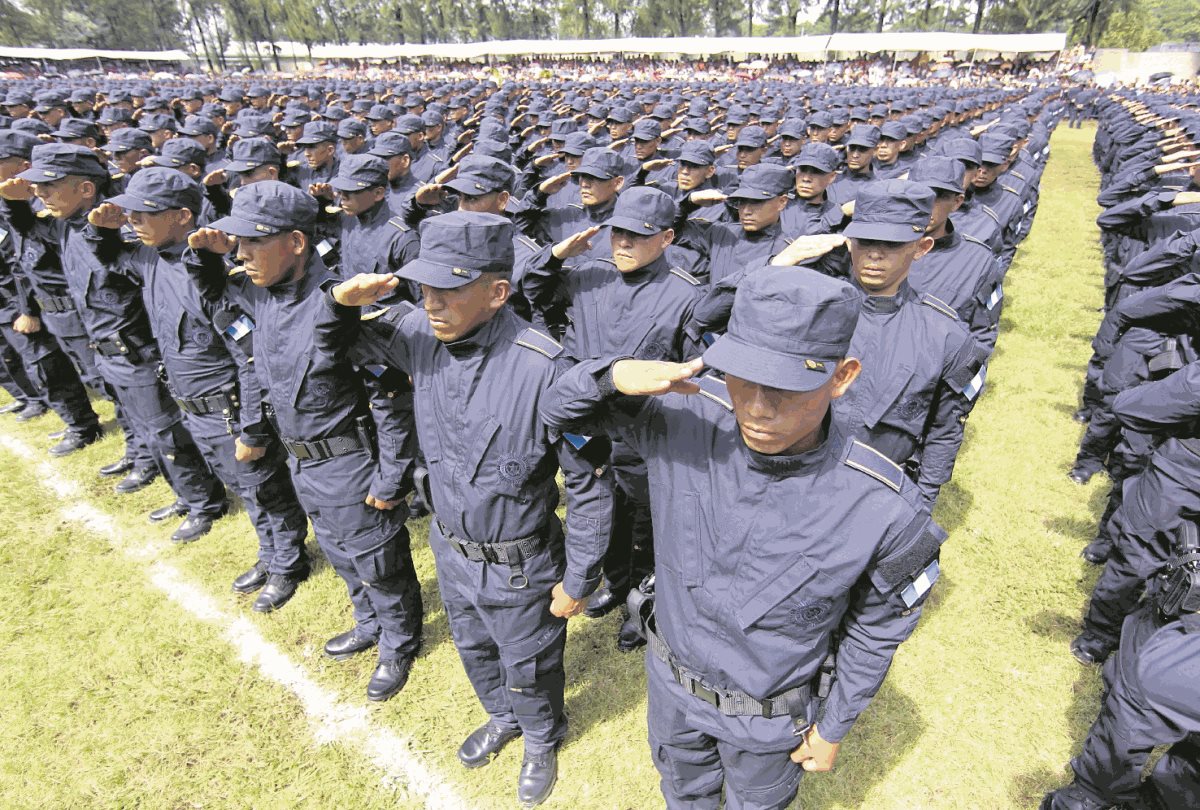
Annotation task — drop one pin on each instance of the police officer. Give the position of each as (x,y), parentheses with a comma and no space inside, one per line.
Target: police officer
(959,269)
(396,150)
(860,164)
(320,409)
(753,587)
(639,311)
(319,143)
(921,368)
(207,357)
(600,179)
(508,587)
(69,181)
(1151,700)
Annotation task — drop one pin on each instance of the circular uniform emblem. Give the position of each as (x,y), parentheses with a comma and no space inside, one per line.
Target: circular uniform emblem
(109,297)
(513,469)
(33,252)
(320,391)
(653,351)
(910,408)
(811,612)
(201,336)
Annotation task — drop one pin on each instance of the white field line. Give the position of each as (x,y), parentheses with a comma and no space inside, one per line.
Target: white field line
(331,719)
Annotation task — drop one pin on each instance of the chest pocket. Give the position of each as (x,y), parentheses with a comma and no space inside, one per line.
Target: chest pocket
(902,404)
(686,559)
(313,392)
(797,603)
(497,467)
(110,292)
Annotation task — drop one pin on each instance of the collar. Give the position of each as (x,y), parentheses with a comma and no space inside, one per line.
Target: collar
(785,465)
(763,234)
(950,240)
(172,253)
(374,213)
(889,303)
(314,273)
(645,273)
(600,213)
(483,338)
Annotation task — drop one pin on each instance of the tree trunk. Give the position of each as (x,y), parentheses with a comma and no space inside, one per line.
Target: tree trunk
(749,18)
(835,9)
(980,5)
(882,15)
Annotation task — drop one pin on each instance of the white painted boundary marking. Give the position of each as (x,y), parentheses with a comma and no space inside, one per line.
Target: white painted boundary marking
(331,719)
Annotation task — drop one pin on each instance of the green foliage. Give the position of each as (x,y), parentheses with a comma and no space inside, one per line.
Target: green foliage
(1133,29)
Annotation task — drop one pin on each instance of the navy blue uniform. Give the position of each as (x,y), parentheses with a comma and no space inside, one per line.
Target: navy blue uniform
(752,583)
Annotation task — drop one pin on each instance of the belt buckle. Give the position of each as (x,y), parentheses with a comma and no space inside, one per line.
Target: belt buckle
(704,693)
(300,451)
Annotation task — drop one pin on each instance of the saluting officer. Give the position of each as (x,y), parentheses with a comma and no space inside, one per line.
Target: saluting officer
(755,584)
(480,373)
(320,409)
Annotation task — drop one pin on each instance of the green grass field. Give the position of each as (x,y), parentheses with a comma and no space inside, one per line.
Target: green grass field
(116,695)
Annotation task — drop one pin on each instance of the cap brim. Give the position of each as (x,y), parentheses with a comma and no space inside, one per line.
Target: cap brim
(634,225)
(994,157)
(36,175)
(241,166)
(236,226)
(313,142)
(731,355)
(755,194)
(882,232)
(469,187)
(809,165)
(170,163)
(587,171)
(439,276)
(341,184)
(131,203)
(863,144)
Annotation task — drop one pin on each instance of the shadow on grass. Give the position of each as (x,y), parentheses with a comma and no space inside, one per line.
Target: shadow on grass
(880,738)
(1028,788)
(953,505)
(603,684)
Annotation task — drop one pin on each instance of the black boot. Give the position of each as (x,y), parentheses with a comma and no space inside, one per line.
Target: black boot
(389,678)
(539,772)
(484,743)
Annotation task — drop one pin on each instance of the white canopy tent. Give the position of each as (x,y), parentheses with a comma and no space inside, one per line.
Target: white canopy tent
(815,46)
(65,54)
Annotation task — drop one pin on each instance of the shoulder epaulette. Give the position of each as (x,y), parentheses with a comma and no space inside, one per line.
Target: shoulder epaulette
(867,459)
(714,388)
(436,157)
(608,261)
(529,243)
(968,238)
(398,223)
(1017,174)
(938,304)
(373,314)
(686,276)
(540,343)
(575,205)
(1010,188)
(987,210)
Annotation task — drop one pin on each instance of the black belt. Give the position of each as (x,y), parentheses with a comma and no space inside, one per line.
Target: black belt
(326,448)
(56,304)
(793,703)
(202,406)
(507,552)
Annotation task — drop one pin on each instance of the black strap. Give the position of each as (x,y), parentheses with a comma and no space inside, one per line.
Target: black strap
(506,552)
(326,448)
(202,406)
(56,304)
(729,702)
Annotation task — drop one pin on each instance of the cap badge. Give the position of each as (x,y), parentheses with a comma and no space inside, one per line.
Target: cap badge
(458,271)
(262,228)
(814,365)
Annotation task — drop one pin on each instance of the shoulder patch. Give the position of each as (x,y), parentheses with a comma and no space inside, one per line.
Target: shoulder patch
(540,343)
(940,305)
(867,459)
(714,388)
(398,223)
(686,276)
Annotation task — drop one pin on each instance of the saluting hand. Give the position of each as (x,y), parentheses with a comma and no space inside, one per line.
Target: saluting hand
(1186,198)
(27,325)
(16,188)
(658,163)
(555,184)
(709,196)
(655,377)
(365,288)
(430,195)
(848,208)
(575,244)
(107,215)
(803,248)
(563,605)
(217,177)
(816,753)
(212,240)
(446,175)
(324,190)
